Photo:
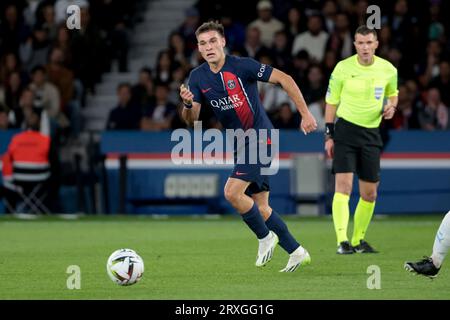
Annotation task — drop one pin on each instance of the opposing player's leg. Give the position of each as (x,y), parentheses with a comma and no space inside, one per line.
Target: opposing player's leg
(297,254)
(430,266)
(235,195)
(441,242)
(341,211)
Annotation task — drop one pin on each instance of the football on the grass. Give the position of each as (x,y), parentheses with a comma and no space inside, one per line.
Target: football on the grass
(125,267)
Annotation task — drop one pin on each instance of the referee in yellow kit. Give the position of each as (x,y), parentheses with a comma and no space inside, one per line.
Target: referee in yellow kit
(362,90)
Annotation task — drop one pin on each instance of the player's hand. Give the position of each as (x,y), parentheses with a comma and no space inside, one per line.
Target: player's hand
(186,95)
(329,148)
(389,111)
(308,124)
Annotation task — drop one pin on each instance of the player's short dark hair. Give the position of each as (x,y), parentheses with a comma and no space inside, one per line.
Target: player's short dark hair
(210,26)
(364,30)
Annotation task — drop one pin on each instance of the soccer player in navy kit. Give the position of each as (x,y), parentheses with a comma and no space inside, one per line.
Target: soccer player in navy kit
(229,85)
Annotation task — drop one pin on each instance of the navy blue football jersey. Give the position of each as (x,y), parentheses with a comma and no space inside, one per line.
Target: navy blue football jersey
(232,92)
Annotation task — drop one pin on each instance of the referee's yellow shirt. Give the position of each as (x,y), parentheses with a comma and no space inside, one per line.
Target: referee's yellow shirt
(359,91)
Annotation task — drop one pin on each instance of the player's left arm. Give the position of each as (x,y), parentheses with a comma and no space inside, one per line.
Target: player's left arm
(309,124)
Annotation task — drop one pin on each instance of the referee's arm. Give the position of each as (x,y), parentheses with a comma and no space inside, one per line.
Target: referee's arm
(330,115)
(390,107)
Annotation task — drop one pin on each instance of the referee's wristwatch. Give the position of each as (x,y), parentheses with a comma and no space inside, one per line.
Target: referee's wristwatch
(329,131)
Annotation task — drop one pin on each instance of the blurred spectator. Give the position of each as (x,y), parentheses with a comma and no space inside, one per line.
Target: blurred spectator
(295,24)
(329,11)
(266,23)
(4,122)
(114,20)
(429,66)
(47,97)
(143,91)
(188,28)
(281,52)
(434,114)
(9,64)
(313,41)
(329,62)
(63,79)
(126,115)
(26,103)
(341,40)
(48,22)
(285,118)
(63,43)
(60,76)
(253,46)
(88,49)
(359,10)
(234,31)
(177,50)
(46,94)
(384,41)
(401,23)
(315,88)
(442,82)
(178,76)
(196,59)
(13,90)
(13,30)
(301,64)
(274,97)
(406,115)
(29,13)
(436,30)
(404,31)
(160,115)
(164,67)
(34,51)
(317,109)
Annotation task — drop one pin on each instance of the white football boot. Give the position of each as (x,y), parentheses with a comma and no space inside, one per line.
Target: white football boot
(297,258)
(266,249)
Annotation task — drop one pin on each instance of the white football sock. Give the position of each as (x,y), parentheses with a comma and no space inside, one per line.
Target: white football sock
(441,242)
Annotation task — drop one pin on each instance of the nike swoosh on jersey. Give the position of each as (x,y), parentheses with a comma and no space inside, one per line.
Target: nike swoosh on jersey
(240,173)
(205,90)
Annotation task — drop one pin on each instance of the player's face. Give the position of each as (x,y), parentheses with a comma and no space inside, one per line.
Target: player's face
(365,47)
(210,45)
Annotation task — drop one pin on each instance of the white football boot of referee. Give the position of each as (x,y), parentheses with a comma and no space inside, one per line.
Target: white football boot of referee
(297,258)
(266,248)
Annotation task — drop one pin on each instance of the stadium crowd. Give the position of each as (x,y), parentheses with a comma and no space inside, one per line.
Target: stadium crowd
(306,39)
(44,64)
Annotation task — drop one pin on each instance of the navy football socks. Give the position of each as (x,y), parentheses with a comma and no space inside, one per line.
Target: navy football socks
(286,240)
(255,222)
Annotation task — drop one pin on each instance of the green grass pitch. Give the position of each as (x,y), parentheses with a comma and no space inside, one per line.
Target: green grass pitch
(197,258)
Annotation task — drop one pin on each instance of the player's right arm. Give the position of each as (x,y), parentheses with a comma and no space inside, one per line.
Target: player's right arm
(191,109)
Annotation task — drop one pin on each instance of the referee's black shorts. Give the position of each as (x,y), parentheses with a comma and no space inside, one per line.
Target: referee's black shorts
(357,149)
